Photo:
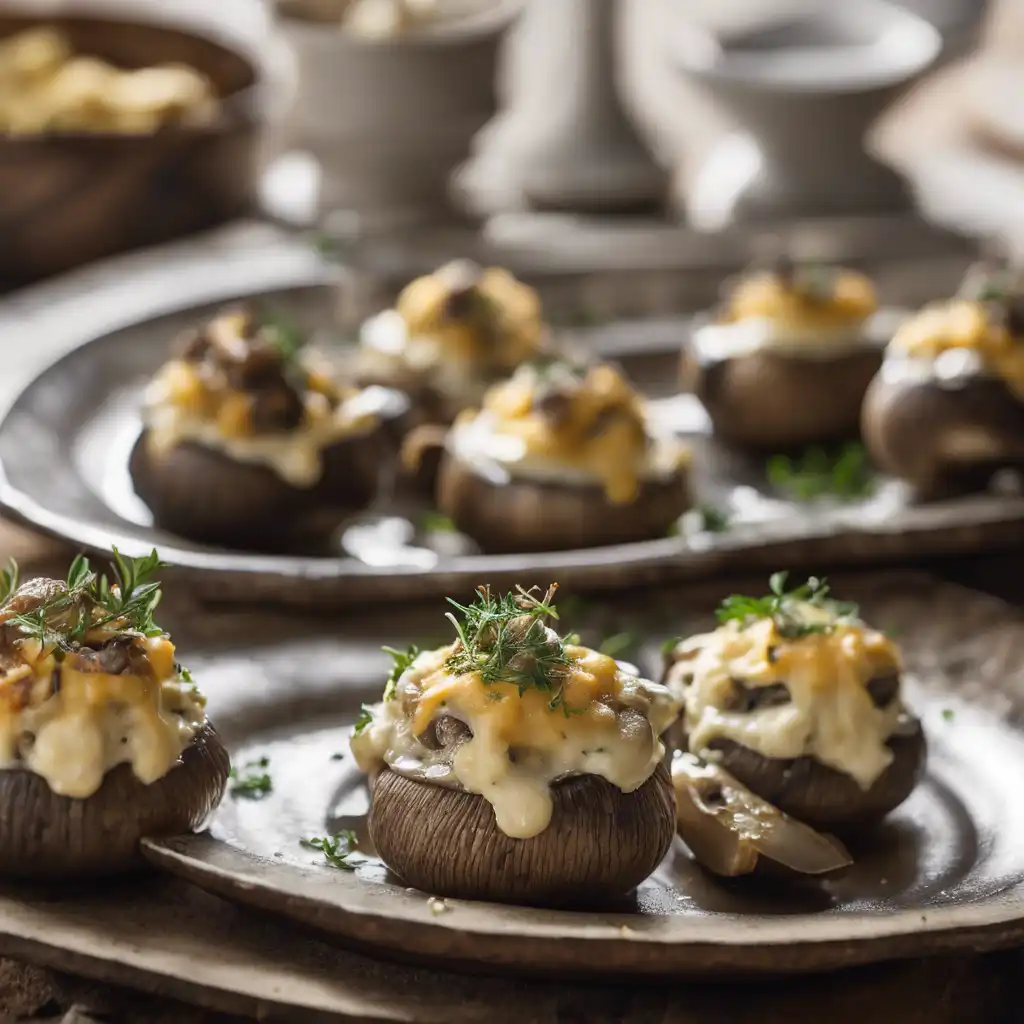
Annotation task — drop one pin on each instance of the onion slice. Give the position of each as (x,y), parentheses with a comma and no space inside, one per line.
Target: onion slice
(728,828)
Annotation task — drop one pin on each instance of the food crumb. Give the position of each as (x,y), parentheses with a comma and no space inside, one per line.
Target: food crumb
(437,906)
(625,931)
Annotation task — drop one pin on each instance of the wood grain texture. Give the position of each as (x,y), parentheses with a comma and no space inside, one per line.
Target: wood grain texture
(69,198)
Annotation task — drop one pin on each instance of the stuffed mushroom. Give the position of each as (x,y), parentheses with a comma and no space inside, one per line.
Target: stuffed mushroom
(786,359)
(515,765)
(799,700)
(248,441)
(946,410)
(104,738)
(561,457)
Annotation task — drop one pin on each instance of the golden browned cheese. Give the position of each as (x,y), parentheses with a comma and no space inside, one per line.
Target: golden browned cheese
(830,715)
(969,325)
(519,743)
(601,429)
(505,331)
(768,296)
(45,86)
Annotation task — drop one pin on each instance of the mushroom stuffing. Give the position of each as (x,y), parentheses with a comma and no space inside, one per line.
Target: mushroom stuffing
(799,701)
(450,335)
(515,765)
(249,438)
(104,738)
(786,359)
(561,457)
(946,410)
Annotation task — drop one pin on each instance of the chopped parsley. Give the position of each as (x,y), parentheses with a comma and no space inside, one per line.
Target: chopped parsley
(339,850)
(713,519)
(948,714)
(401,660)
(364,719)
(784,607)
(436,522)
(253,782)
(844,473)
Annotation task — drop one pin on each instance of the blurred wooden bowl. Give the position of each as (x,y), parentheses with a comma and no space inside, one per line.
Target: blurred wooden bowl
(70,197)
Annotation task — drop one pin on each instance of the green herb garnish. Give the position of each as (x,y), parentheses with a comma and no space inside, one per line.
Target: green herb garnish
(364,720)
(714,519)
(669,645)
(507,639)
(338,850)
(183,673)
(253,782)
(817,472)
(401,660)
(8,580)
(948,714)
(619,644)
(89,601)
(281,332)
(436,522)
(784,607)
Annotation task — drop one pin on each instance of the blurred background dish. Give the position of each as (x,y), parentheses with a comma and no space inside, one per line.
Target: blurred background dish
(71,194)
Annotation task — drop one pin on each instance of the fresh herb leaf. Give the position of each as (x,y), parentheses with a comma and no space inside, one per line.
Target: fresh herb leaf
(183,674)
(364,720)
(8,580)
(619,644)
(507,639)
(669,645)
(339,850)
(253,782)
(948,714)
(401,660)
(281,332)
(436,522)
(714,519)
(785,607)
(818,471)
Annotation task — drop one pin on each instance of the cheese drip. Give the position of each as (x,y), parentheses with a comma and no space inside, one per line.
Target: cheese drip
(766,310)
(519,745)
(72,726)
(966,326)
(456,329)
(546,424)
(830,715)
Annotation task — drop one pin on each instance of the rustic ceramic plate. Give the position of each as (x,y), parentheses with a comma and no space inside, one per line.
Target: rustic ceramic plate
(945,872)
(65,441)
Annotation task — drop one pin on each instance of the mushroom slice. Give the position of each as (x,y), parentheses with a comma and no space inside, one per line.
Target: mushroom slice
(728,828)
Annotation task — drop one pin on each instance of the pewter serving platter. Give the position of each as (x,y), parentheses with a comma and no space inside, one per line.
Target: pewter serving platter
(944,872)
(65,441)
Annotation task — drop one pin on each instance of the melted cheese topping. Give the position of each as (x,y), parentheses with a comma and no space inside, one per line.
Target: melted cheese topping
(519,744)
(455,350)
(766,311)
(72,726)
(962,325)
(830,715)
(186,403)
(44,86)
(598,433)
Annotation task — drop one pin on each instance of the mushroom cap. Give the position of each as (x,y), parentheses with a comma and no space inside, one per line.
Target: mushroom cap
(528,515)
(911,421)
(821,796)
(45,835)
(767,401)
(208,496)
(600,842)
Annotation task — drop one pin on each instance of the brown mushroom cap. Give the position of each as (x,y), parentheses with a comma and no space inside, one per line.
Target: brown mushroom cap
(528,515)
(911,421)
(44,835)
(823,797)
(206,495)
(601,842)
(767,401)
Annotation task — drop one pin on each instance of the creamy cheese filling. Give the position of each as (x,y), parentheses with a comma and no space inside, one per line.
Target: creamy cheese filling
(71,727)
(830,715)
(517,744)
(296,456)
(960,338)
(483,442)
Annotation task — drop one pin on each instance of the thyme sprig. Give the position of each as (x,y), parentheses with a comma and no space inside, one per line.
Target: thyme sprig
(89,600)
(784,607)
(507,639)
